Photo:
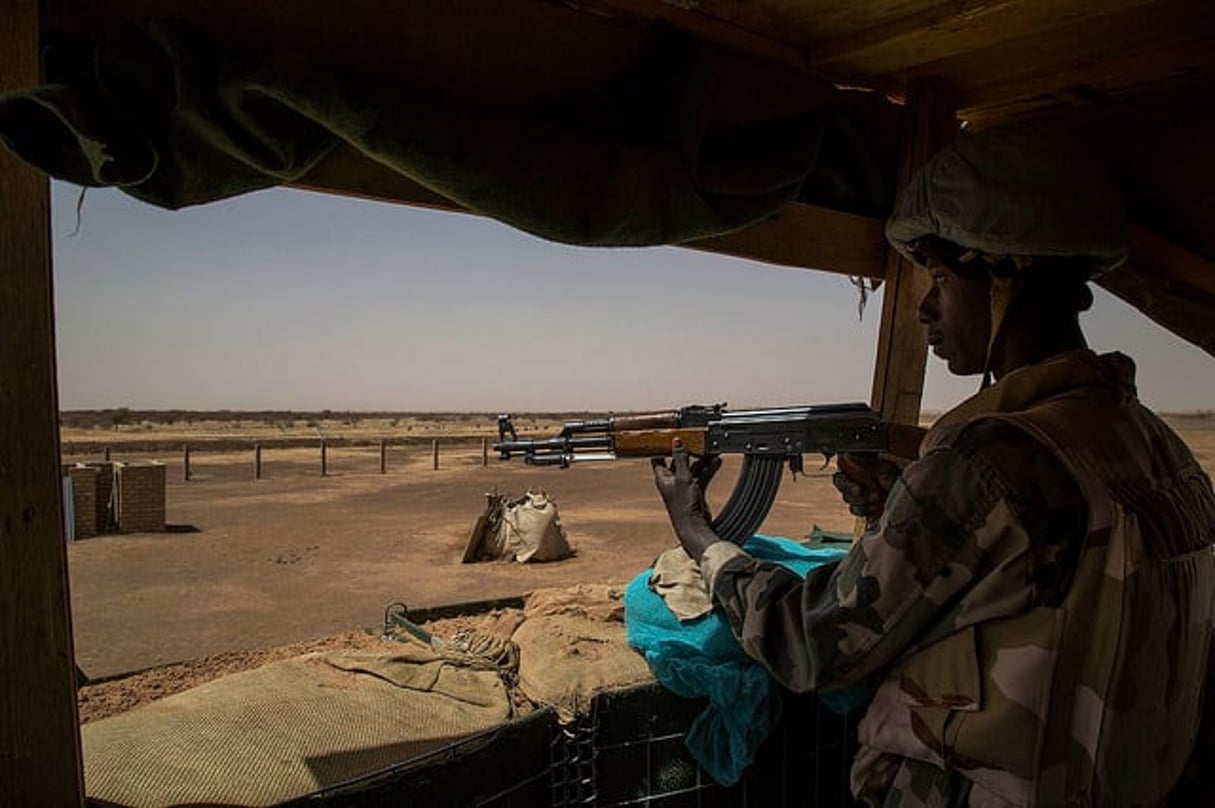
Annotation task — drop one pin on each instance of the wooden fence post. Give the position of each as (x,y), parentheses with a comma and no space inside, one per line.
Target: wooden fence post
(324,459)
(484,452)
(185,462)
(107,454)
(434,448)
(383,456)
(257,461)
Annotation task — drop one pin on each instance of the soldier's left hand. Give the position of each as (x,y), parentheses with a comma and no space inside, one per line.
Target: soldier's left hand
(682,485)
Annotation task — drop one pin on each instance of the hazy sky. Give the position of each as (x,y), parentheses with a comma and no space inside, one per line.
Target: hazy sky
(293,300)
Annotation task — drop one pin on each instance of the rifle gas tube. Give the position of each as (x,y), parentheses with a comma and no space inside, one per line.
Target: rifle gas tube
(766,438)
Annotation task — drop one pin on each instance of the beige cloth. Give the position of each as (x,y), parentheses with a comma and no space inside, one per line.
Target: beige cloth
(677,579)
(288,728)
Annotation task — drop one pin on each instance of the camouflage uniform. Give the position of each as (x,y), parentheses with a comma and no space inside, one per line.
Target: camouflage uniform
(1037,602)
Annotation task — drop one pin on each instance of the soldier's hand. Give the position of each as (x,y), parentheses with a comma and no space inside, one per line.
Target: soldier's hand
(682,485)
(864,481)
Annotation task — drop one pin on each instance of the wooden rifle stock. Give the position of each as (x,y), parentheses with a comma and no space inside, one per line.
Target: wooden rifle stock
(657,442)
(903,440)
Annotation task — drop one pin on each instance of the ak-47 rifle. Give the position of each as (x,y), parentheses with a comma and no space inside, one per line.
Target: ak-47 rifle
(767,439)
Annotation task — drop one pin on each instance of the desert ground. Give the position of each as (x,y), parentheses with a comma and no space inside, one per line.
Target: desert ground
(295,556)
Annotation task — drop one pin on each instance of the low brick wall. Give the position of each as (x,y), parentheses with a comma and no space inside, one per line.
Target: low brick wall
(85,499)
(140,497)
(105,494)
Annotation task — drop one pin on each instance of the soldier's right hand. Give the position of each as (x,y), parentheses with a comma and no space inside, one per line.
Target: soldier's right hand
(864,481)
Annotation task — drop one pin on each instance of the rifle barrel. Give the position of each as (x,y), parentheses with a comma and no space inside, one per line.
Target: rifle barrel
(547,445)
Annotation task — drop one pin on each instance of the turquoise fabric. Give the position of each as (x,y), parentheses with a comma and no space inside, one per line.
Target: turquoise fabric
(701,658)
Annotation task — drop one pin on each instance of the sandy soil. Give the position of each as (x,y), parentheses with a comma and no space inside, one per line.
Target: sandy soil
(295,556)
(255,571)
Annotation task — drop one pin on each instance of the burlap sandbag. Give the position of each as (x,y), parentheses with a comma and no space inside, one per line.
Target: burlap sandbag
(525,528)
(572,646)
(530,530)
(288,728)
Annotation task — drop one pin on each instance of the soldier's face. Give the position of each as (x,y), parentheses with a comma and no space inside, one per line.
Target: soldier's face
(957,313)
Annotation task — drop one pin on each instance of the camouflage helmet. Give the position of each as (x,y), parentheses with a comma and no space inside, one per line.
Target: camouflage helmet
(1022,191)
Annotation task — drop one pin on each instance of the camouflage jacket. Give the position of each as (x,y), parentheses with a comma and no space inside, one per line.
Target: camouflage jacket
(1036,601)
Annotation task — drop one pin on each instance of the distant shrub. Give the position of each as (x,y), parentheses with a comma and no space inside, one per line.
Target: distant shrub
(120,416)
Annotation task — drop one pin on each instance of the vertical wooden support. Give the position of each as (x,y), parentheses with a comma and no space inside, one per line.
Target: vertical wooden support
(484,452)
(930,123)
(324,458)
(39,736)
(107,454)
(434,449)
(257,461)
(185,462)
(383,456)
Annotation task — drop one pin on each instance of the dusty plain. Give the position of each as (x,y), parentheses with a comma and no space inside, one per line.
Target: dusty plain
(295,557)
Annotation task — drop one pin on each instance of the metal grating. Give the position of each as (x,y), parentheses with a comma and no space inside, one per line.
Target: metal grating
(627,752)
(642,759)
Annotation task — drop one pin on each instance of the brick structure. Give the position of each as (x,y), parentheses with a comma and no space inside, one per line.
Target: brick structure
(85,500)
(140,497)
(105,496)
(105,490)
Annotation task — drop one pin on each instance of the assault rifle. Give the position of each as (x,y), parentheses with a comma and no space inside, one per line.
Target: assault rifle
(768,439)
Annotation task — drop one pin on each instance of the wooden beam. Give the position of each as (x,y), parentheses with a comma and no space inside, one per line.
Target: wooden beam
(1171,262)
(746,30)
(805,236)
(1187,314)
(1121,54)
(902,351)
(808,237)
(39,737)
(760,31)
(951,28)
(1168,284)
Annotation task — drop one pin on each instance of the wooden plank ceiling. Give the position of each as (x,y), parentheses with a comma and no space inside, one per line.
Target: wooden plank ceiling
(1141,71)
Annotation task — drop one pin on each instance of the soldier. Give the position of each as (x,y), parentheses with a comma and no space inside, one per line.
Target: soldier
(1033,596)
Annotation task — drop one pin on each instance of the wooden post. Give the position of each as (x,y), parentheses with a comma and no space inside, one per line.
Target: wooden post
(185,462)
(929,124)
(257,461)
(484,452)
(383,456)
(324,459)
(107,454)
(434,448)
(39,736)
